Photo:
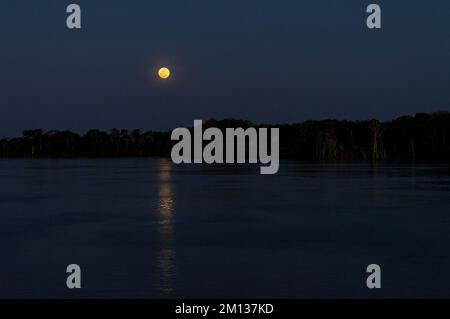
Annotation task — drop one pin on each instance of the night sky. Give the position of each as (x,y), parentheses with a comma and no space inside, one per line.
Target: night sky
(269,61)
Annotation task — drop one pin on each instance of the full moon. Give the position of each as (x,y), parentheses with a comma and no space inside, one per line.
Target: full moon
(164,73)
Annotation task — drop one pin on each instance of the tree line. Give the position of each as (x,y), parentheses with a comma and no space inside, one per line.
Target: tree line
(422,138)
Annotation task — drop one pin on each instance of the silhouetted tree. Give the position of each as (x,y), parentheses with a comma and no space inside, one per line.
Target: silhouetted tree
(423,137)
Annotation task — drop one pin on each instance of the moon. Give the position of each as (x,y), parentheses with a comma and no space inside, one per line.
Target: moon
(164,73)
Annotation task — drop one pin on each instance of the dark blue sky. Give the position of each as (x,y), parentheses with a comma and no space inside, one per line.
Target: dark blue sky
(266,61)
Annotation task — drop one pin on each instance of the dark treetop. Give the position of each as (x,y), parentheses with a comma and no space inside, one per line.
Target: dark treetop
(424,137)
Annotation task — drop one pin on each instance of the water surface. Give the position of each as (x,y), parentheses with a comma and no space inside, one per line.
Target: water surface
(145,228)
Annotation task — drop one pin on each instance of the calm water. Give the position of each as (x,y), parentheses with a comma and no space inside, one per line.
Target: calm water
(146,228)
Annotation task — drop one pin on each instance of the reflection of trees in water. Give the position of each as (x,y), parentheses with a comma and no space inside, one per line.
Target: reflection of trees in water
(166,254)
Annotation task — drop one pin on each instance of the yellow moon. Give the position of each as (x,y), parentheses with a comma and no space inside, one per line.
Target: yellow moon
(164,73)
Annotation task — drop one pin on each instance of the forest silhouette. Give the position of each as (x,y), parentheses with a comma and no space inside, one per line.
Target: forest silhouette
(421,138)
